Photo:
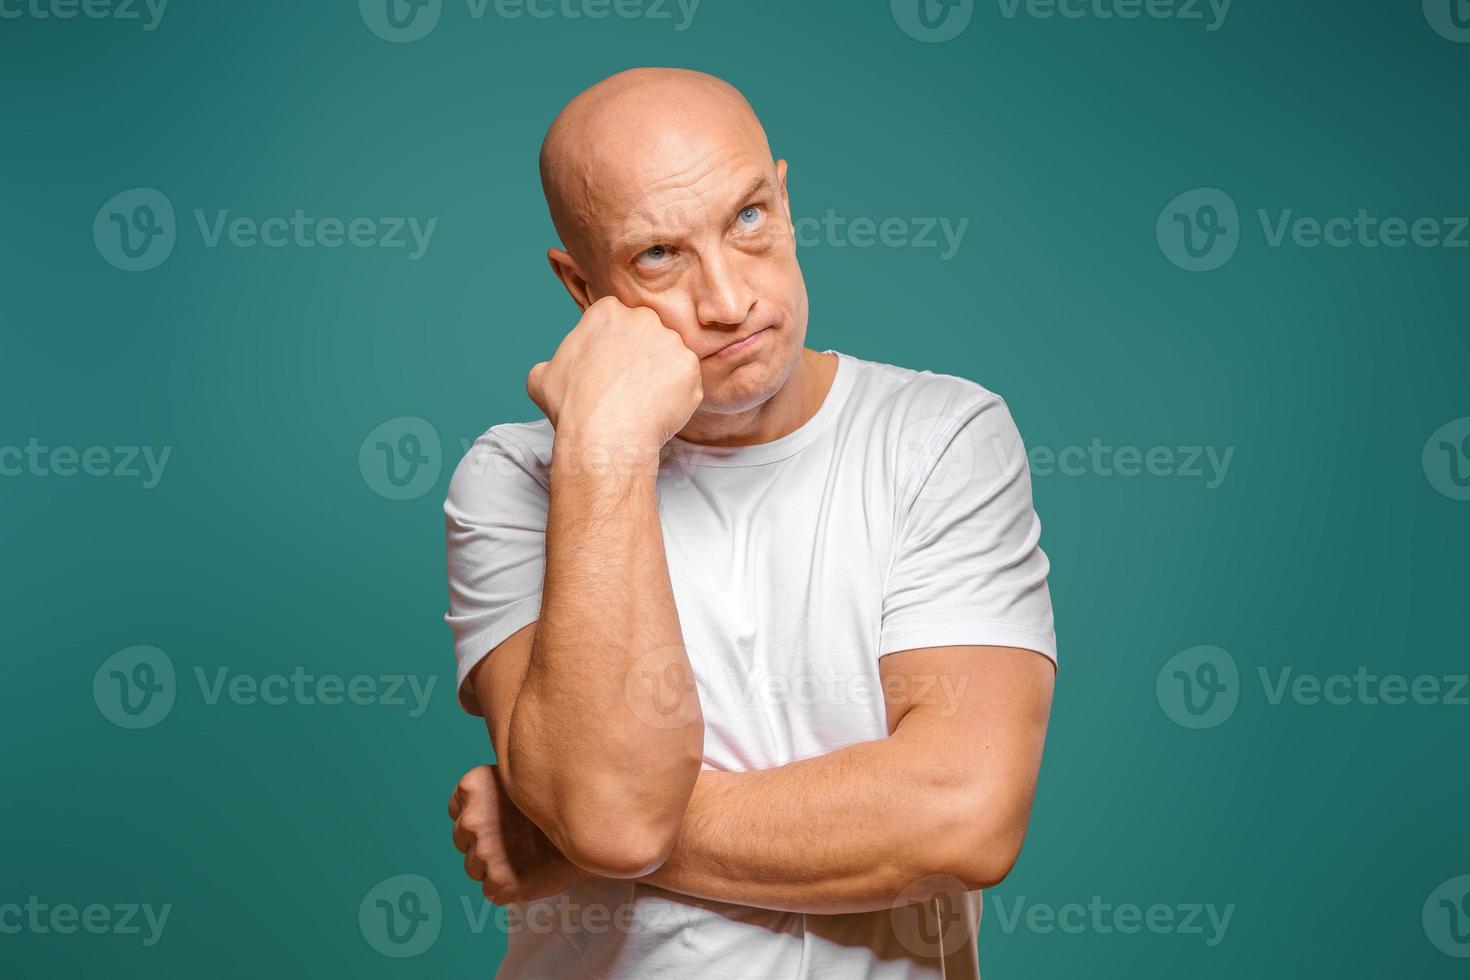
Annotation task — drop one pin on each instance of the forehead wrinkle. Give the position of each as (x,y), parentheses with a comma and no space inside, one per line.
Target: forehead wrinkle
(656,234)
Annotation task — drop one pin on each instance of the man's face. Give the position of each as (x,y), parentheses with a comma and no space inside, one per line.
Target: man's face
(699,230)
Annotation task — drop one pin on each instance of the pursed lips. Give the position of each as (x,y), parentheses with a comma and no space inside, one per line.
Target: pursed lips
(735,342)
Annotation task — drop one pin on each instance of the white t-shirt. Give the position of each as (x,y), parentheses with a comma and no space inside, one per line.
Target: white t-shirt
(899,516)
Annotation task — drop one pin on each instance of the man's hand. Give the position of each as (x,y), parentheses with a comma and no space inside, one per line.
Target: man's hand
(619,379)
(507,853)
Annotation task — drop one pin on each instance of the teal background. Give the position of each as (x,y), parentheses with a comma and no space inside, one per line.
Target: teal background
(264,547)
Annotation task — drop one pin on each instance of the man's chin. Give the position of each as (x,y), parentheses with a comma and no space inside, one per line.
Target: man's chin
(733,403)
(743,386)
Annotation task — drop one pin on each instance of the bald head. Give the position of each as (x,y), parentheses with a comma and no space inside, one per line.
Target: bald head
(623,136)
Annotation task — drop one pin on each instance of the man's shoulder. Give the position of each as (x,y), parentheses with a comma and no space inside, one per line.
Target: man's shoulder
(506,460)
(940,433)
(535,437)
(906,395)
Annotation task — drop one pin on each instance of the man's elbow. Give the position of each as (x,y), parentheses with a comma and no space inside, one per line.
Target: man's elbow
(985,850)
(988,864)
(615,850)
(613,830)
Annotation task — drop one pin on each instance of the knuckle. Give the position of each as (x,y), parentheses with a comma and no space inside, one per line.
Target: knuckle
(604,309)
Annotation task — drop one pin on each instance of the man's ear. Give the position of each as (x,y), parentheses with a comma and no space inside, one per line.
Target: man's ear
(565,269)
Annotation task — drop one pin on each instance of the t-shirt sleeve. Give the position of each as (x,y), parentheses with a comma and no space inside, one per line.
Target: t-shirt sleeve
(495,543)
(967,567)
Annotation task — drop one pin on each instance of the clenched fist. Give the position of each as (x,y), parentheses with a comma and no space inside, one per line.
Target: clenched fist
(619,379)
(505,851)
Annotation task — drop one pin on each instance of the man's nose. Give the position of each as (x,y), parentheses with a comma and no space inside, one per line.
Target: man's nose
(725,296)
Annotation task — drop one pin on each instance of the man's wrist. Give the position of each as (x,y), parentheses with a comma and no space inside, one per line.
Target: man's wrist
(577,454)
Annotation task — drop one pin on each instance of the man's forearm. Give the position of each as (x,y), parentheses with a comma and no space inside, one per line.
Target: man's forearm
(593,755)
(855,830)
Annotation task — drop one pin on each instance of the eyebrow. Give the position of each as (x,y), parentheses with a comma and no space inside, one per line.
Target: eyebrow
(640,241)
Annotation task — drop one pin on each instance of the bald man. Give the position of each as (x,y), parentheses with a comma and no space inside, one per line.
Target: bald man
(761,634)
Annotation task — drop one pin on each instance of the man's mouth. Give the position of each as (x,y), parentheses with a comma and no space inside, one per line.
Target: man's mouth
(742,345)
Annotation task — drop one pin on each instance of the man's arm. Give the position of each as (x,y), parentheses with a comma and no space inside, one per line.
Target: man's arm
(948,793)
(568,700)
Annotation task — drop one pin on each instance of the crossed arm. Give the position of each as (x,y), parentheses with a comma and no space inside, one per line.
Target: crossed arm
(940,805)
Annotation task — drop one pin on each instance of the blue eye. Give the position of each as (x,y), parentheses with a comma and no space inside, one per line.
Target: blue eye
(654,255)
(750,215)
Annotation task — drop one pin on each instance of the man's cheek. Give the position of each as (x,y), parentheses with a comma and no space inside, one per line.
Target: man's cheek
(680,319)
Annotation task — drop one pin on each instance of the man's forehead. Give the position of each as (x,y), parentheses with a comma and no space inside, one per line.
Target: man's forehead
(638,164)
